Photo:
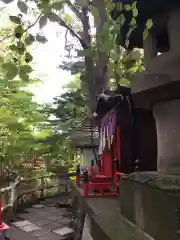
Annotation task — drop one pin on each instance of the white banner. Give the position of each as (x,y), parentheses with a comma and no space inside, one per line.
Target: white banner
(86,229)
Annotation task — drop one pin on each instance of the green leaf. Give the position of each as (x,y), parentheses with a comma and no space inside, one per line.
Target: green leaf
(135,12)
(141,69)
(22,6)
(134,5)
(133,69)
(26,69)
(11,70)
(24,76)
(135,55)
(125,82)
(57,5)
(145,33)
(13,47)
(127,7)
(15,19)
(111,6)
(43,21)
(21,48)
(28,57)
(149,24)
(67,19)
(4,100)
(119,71)
(18,31)
(43,5)
(133,22)
(119,6)
(105,28)
(7,1)
(120,19)
(82,2)
(117,27)
(41,38)
(30,39)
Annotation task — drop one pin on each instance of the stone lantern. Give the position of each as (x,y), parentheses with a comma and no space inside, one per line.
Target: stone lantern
(158,87)
(86,138)
(151,200)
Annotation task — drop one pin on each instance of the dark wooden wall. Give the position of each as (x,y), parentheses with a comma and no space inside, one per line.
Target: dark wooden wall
(138,138)
(145,140)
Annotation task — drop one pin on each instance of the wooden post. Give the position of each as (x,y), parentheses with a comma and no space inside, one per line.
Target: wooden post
(2,199)
(6,197)
(42,188)
(66,183)
(59,188)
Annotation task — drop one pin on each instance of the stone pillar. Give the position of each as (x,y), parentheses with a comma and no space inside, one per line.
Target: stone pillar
(167,116)
(174,31)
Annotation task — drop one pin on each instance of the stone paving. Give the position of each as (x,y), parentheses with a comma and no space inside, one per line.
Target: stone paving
(45,221)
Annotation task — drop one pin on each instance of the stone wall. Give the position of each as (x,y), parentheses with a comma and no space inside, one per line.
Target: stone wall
(101,219)
(151,201)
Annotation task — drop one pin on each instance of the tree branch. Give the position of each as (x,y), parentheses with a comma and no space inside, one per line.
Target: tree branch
(34,23)
(66,40)
(75,10)
(30,26)
(6,37)
(59,20)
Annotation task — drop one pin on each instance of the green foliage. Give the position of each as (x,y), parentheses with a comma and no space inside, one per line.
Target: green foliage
(70,108)
(104,42)
(22,122)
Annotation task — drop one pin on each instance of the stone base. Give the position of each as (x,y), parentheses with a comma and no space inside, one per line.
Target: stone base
(152,202)
(167,117)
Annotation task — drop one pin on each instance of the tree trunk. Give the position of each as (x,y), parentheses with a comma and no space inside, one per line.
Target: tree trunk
(96,76)
(91,85)
(101,70)
(89,64)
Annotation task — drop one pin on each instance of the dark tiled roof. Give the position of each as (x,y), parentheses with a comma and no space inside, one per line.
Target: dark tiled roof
(85,135)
